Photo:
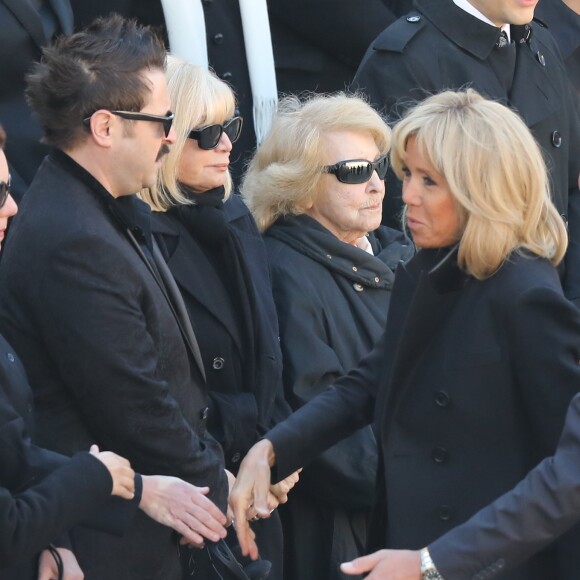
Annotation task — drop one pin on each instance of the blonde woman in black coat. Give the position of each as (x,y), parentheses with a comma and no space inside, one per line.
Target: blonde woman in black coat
(217,257)
(470,383)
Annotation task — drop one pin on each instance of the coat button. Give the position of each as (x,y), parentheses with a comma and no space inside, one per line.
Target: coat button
(564,219)
(204,413)
(226,76)
(329,256)
(442,399)
(445,513)
(236,457)
(218,38)
(440,455)
(218,363)
(377,279)
(358,287)
(354,269)
(414,18)
(540,58)
(10,357)
(556,139)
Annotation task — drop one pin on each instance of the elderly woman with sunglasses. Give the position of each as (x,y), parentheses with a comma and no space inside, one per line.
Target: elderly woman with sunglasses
(217,257)
(315,187)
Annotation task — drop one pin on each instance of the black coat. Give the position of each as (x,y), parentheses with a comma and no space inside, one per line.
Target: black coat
(42,493)
(332,301)
(543,506)
(440,46)
(469,387)
(318,44)
(239,413)
(105,356)
(21,40)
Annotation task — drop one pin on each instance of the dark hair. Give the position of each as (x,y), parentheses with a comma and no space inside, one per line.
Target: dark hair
(100,67)
(2,137)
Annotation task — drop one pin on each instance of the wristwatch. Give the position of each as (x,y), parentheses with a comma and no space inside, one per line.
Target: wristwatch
(428,569)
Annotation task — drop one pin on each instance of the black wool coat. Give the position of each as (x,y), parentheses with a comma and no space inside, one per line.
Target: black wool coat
(440,46)
(42,493)
(21,40)
(521,522)
(105,356)
(469,387)
(239,414)
(332,301)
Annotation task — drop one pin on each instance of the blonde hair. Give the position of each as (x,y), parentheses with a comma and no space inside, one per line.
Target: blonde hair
(285,173)
(198,98)
(496,175)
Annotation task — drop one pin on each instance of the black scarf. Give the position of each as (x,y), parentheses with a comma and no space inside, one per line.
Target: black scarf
(207,223)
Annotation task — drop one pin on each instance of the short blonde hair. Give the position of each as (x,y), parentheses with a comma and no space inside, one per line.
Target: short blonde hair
(496,174)
(198,98)
(285,173)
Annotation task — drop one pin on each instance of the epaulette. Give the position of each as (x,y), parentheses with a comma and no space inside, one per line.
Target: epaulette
(396,37)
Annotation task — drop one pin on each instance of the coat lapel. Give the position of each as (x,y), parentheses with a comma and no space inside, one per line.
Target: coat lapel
(206,288)
(29,18)
(165,280)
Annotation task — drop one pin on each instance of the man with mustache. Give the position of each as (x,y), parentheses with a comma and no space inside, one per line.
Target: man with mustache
(89,306)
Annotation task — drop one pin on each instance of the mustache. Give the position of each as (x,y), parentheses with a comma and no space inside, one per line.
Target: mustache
(164,150)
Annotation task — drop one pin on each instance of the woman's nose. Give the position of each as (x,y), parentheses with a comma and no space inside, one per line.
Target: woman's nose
(224,143)
(410,192)
(375,184)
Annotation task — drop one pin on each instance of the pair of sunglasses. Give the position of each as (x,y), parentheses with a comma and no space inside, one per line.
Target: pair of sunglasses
(354,171)
(165,120)
(209,137)
(4,191)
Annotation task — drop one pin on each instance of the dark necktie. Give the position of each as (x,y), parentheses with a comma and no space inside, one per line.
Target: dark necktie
(503,61)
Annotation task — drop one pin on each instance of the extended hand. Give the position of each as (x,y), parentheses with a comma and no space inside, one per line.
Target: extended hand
(386,565)
(183,507)
(47,569)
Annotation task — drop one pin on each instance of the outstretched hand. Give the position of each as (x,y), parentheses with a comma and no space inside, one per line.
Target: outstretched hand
(121,473)
(386,565)
(183,507)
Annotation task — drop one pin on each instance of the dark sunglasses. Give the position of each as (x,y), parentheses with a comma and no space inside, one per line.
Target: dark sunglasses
(358,170)
(209,137)
(165,120)
(4,191)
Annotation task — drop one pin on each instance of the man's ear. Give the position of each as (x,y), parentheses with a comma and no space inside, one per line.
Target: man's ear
(102,127)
